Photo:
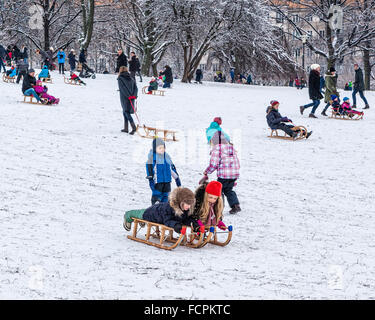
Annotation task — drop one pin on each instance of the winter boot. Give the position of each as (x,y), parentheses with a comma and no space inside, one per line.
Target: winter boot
(366,106)
(354,106)
(308,134)
(127,225)
(324,113)
(294,135)
(311,115)
(236,208)
(134,128)
(301,109)
(126,127)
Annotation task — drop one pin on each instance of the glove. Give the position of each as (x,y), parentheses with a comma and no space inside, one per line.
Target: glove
(289,120)
(284,119)
(204,179)
(221,225)
(177,227)
(178,182)
(152,184)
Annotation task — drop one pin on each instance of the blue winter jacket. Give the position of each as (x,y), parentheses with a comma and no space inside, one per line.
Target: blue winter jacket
(13,73)
(44,73)
(160,168)
(61,57)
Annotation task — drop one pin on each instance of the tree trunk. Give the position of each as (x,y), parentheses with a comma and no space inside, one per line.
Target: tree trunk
(367,66)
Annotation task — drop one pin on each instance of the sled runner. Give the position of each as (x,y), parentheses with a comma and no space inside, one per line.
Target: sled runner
(151,133)
(154,92)
(346,115)
(164,235)
(301,133)
(167,135)
(71,81)
(8,79)
(215,233)
(31,100)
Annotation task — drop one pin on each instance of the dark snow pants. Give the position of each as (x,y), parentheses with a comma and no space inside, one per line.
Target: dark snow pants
(228,185)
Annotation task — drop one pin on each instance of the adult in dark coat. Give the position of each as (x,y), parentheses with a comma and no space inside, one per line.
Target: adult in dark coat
(331,88)
(134,66)
(3,54)
(198,76)
(16,53)
(25,54)
(45,58)
(22,69)
(128,93)
(122,60)
(314,90)
(72,60)
(28,84)
(168,76)
(359,87)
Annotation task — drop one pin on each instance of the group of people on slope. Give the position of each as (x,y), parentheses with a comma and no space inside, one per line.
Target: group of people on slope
(134,64)
(181,207)
(330,78)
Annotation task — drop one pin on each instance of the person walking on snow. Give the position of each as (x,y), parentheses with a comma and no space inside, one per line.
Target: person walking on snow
(122,61)
(314,90)
(331,88)
(128,93)
(134,66)
(61,61)
(359,87)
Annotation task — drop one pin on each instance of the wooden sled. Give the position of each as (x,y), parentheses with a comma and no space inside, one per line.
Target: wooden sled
(72,82)
(45,80)
(301,134)
(154,92)
(164,235)
(8,79)
(151,133)
(31,100)
(346,116)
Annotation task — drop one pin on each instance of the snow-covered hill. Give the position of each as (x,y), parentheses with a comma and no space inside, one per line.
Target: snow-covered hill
(68,174)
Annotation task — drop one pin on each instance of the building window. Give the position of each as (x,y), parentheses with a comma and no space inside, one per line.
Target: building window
(296,35)
(202,66)
(322,33)
(215,67)
(295,18)
(297,52)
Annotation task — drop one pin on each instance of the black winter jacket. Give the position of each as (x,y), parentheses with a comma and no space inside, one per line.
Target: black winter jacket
(122,61)
(168,75)
(134,64)
(274,118)
(359,84)
(314,85)
(128,88)
(28,82)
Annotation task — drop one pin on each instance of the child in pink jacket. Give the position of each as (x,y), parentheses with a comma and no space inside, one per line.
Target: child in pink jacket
(347,108)
(42,92)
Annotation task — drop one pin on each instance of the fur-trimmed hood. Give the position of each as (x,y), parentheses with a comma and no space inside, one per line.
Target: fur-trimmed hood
(179,195)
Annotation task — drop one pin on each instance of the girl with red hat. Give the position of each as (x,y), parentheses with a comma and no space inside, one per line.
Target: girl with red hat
(209,205)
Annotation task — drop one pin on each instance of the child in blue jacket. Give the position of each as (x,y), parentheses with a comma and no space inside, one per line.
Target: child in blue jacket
(160,171)
(44,73)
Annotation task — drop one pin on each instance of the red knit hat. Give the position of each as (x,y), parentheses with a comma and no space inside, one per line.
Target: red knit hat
(274,102)
(214,188)
(218,121)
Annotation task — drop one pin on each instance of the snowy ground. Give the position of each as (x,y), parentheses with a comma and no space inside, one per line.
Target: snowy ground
(68,174)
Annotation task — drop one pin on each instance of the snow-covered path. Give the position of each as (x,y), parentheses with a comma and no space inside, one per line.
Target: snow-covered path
(68,174)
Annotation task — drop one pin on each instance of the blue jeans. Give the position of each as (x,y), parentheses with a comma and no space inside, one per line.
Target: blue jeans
(314,104)
(31,92)
(128,117)
(166,85)
(360,94)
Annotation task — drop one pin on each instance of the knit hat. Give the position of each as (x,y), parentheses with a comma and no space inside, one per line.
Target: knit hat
(214,188)
(274,103)
(332,69)
(218,121)
(157,142)
(333,96)
(315,66)
(31,70)
(185,195)
(218,138)
(345,99)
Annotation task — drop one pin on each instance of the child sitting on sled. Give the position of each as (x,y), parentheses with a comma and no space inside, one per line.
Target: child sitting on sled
(160,171)
(153,85)
(276,121)
(209,205)
(75,78)
(12,72)
(44,73)
(175,213)
(347,108)
(335,103)
(42,92)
